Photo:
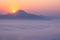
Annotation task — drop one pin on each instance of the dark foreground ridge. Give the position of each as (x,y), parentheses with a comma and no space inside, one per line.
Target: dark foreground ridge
(21,14)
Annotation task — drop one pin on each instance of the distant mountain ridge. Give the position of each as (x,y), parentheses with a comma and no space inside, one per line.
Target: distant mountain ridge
(21,14)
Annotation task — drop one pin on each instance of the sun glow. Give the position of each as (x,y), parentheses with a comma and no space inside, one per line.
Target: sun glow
(14,11)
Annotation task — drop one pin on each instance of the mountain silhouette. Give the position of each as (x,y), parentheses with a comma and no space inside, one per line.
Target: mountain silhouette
(21,14)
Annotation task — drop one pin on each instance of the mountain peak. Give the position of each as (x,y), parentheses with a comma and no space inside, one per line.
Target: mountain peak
(21,12)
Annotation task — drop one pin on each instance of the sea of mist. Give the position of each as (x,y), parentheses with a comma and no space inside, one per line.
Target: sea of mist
(29,29)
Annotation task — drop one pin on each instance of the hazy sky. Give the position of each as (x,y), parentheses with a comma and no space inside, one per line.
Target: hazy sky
(46,7)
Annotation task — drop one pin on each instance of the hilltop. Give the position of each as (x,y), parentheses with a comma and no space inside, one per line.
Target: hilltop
(21,14)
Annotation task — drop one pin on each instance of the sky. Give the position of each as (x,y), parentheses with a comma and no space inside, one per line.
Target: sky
(45,7)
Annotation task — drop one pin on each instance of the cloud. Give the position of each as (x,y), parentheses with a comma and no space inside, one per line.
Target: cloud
(29,30)
(12,33)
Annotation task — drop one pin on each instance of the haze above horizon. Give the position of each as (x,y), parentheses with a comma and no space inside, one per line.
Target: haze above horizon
(45,7)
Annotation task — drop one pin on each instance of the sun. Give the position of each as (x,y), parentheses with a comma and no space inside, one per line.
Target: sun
(13,11)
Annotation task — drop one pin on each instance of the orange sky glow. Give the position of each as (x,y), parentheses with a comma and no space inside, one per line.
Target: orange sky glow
(30,5)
